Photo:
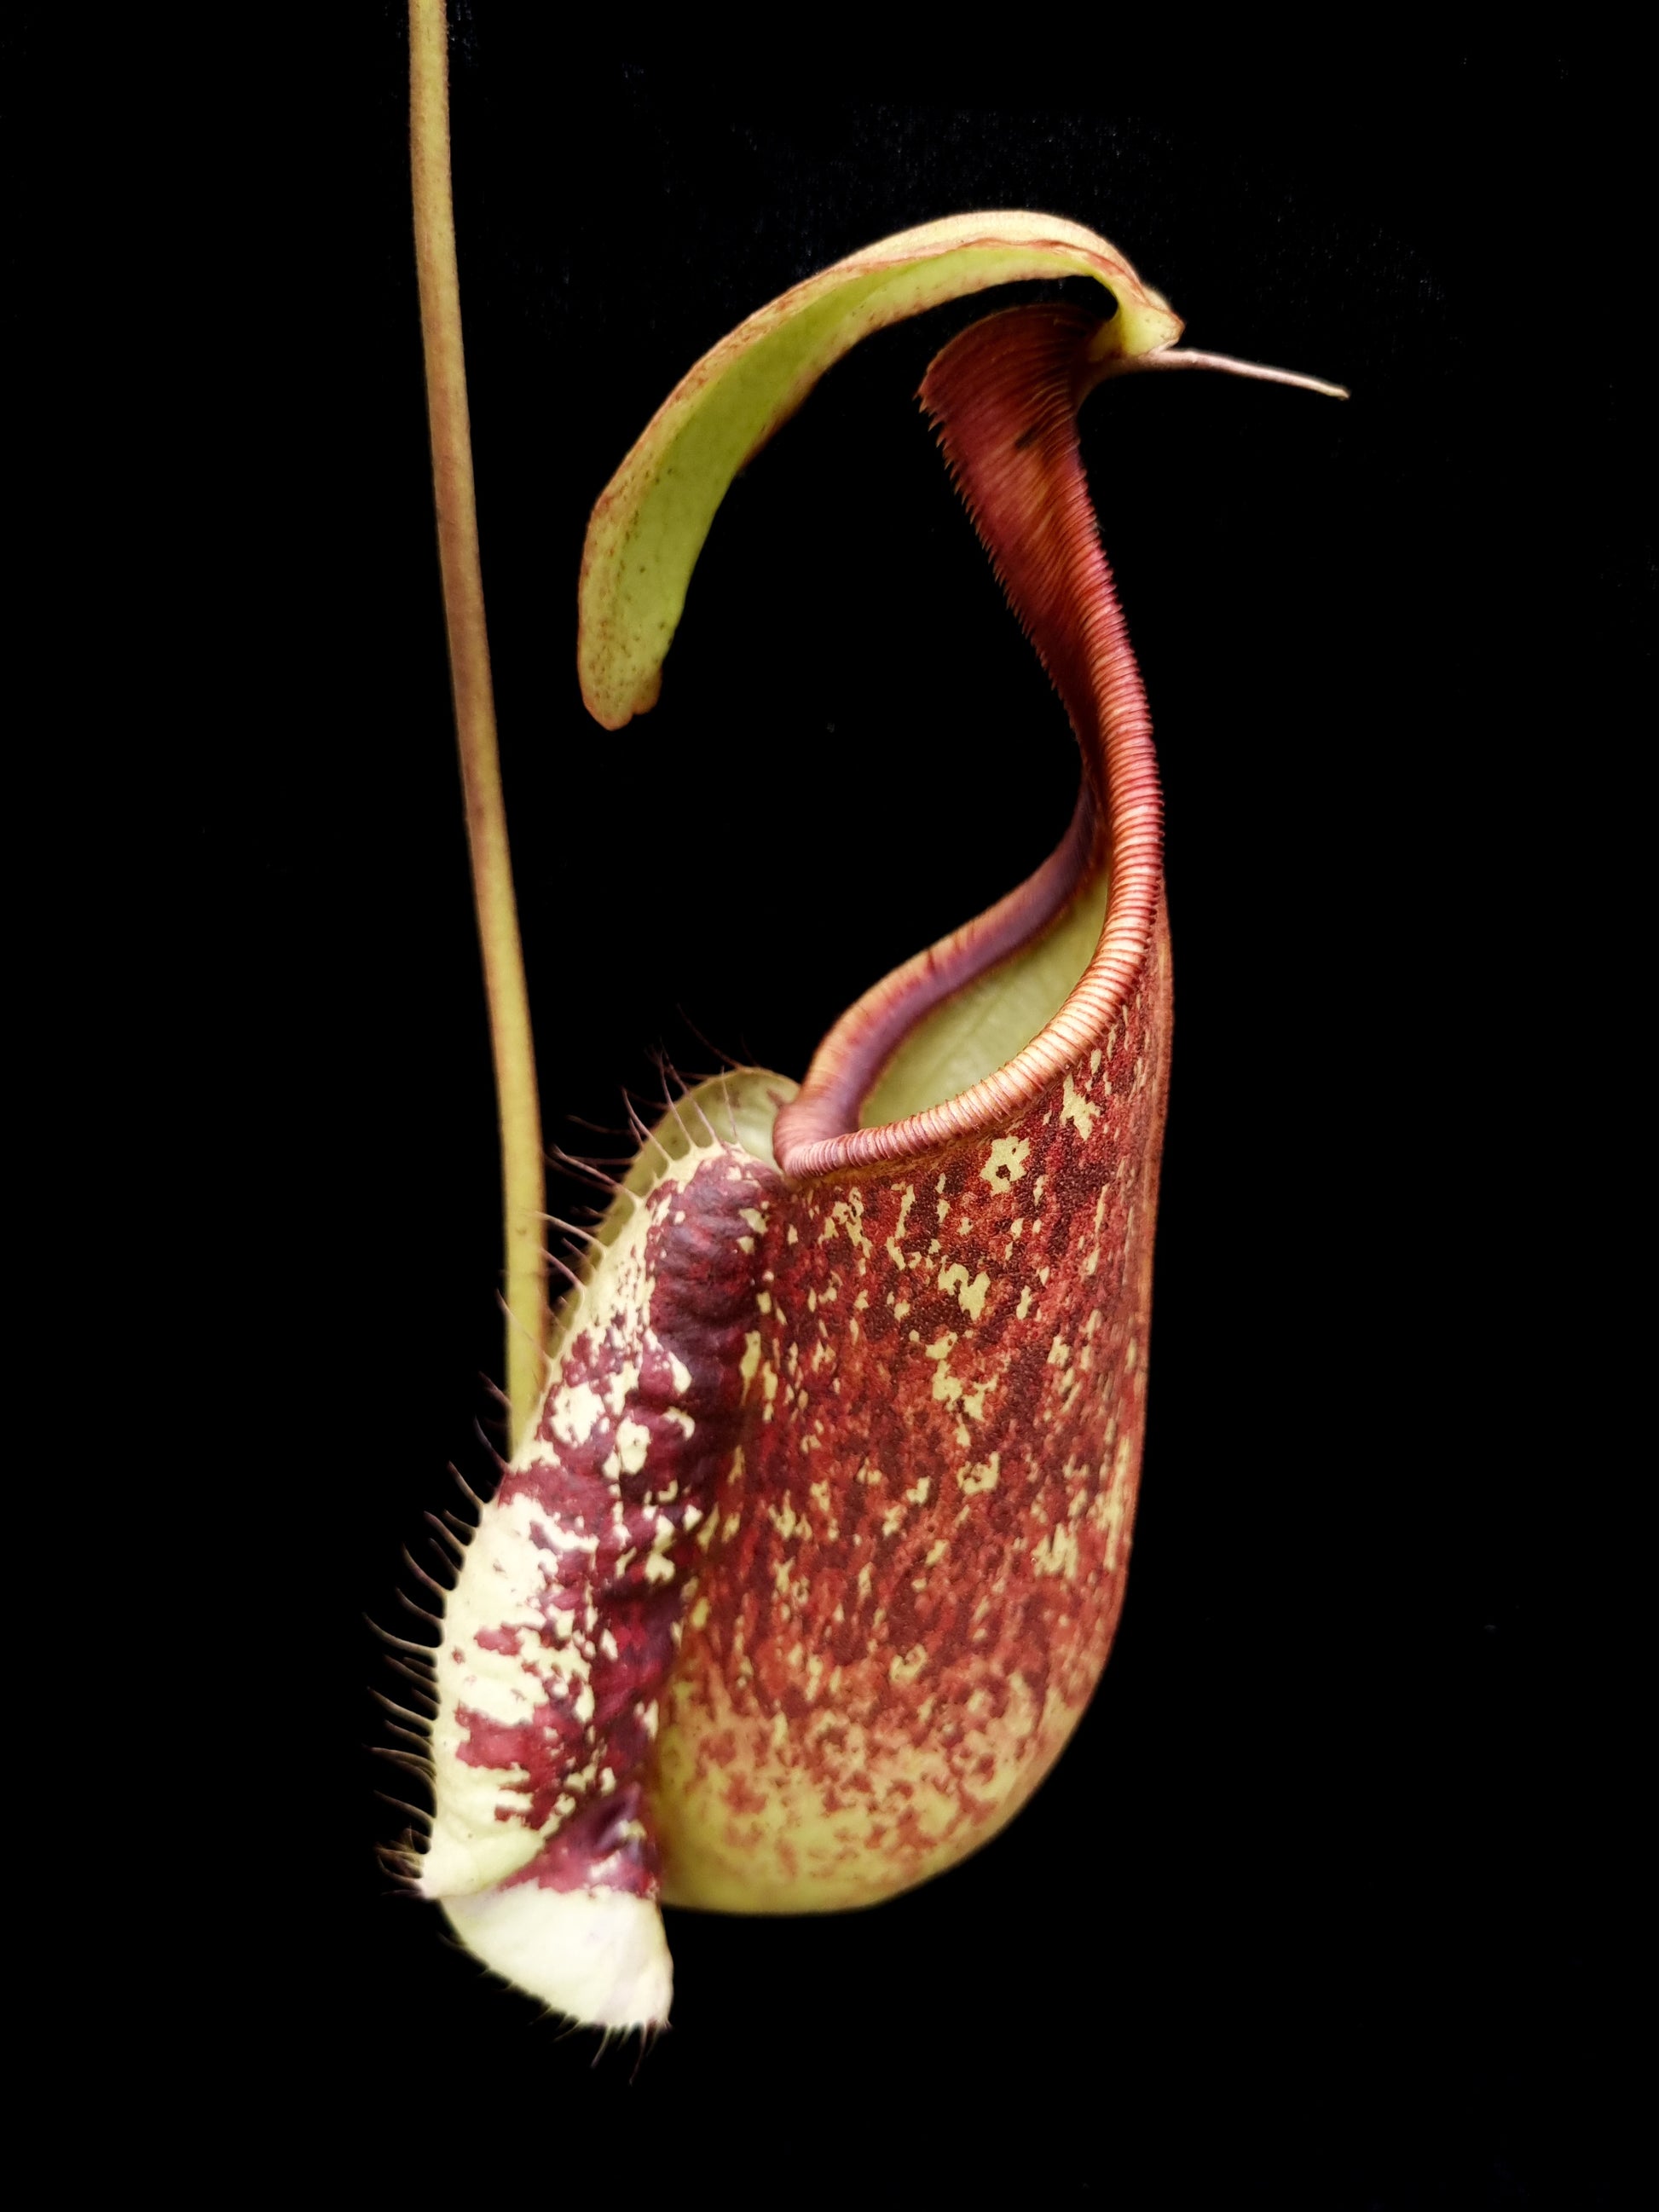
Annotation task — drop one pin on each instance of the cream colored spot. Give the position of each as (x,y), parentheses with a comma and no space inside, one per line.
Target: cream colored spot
(1057,1554)
(633,1442)
(576,1410)
(970,1295)
(622,1386)
(848,1214)
(1111,1518)
(1024,1306)
(1079,1111)
(946,1388)
(974,1482)
(1007,1162)
(895,1247)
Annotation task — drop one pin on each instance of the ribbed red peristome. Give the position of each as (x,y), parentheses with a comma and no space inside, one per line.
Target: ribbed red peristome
(1005,396)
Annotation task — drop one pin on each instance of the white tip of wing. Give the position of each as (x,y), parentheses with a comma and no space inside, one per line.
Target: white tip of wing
(597,1956)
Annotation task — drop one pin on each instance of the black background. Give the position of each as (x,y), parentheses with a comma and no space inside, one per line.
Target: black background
(1342,1891)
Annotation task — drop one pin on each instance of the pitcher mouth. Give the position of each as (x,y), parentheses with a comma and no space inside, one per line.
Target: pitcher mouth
(843,1116)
